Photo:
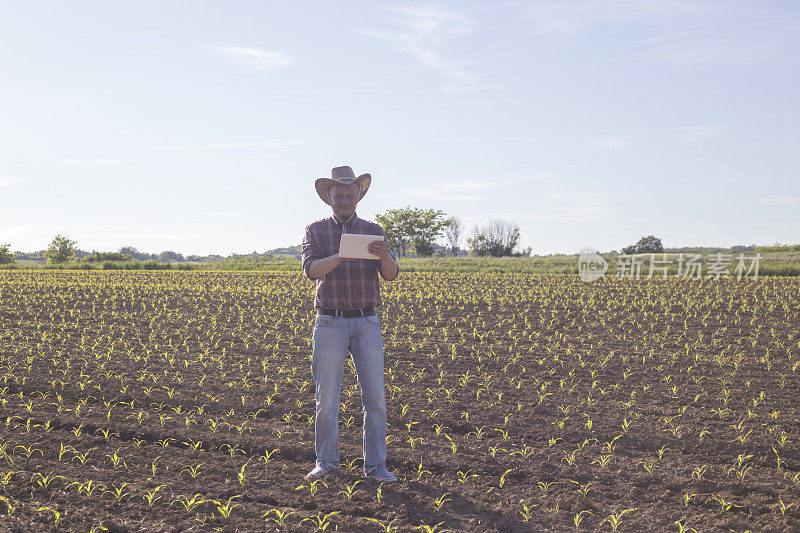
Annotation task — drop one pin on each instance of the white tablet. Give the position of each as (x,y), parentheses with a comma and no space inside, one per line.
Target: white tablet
(354,246)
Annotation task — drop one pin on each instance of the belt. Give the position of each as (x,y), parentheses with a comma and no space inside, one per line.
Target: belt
(347,313)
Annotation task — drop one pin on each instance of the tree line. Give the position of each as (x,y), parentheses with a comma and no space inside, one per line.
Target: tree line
(62,250)
(412,230)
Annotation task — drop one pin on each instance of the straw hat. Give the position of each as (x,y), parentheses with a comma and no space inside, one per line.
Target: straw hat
(342,176)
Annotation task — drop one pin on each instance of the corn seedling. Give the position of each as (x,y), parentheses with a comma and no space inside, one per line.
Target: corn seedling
(280,516)
(312,486)
(440,501)
(583,488)
(118,492)
(320,521)
(116,460)
(426,528)
(44,481)
(648,466)
(10,509)
(150,496)
(615,519)
(386,528)
(463,477)
(190,504)
(683,528)
(56,514)
(226,508)
(578,518)
(526,512)
(350,490)
(503,477)
(241,476)
(193,471)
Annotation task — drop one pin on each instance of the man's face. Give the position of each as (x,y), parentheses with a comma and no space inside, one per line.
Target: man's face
(344,199)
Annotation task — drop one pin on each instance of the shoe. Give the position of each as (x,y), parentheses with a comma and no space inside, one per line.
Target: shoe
(380,472)
(319,472)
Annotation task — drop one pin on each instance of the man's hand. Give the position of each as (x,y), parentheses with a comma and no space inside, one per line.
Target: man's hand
(379,248)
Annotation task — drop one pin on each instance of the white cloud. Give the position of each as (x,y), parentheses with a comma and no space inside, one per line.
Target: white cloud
(74,163)
(612,143)
(13,233)
(222,146)
(780,199)
(10,181)
(576,207)
(255,58)
(690,49)
(678,32)
(424,31)
(125,231)
(466,189)
(227,214)
(162,236)
(564,19)
(584,197)
(701,132)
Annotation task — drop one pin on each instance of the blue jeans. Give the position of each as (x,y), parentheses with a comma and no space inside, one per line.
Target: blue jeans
(332,338)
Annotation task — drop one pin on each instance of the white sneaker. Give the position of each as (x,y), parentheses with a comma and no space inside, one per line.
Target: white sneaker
(380,472)
(319,472)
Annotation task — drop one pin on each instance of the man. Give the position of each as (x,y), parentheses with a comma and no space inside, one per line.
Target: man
(347,294)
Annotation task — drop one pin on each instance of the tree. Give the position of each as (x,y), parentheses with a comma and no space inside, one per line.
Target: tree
(60,250)
(5,254)
(96,257)
(398,228)
(498,239)
(136,254)
(452,233)
(412,228)
(646,245)
(166,257)
(428,226)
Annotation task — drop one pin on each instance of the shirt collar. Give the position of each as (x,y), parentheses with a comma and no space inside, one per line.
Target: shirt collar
(352,220)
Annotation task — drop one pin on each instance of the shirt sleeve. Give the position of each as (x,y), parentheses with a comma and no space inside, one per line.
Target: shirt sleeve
(310,250)
(380,264)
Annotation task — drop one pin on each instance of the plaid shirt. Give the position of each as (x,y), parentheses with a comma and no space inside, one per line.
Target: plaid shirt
(354,283)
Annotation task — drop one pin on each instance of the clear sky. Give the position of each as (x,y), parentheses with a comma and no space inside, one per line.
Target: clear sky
(200,126)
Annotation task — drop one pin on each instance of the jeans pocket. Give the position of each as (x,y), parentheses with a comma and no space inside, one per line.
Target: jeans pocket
(373,319)
(322,321)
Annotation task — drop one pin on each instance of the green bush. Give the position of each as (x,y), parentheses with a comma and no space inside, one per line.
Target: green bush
(69,266)
(778,248)
(152,264)
(6,256)
(779,269)
(96,257)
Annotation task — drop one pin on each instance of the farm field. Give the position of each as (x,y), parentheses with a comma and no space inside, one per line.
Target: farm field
(183,401)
